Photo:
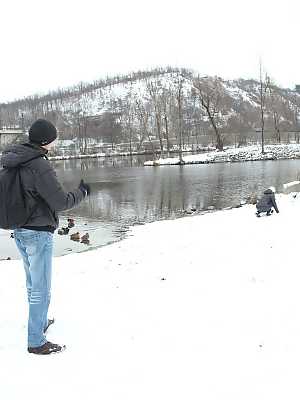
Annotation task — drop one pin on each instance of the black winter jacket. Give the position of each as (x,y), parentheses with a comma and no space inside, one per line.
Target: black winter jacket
(267,202)
(40,184)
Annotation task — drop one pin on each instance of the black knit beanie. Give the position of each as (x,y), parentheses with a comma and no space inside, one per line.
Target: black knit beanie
(42,132)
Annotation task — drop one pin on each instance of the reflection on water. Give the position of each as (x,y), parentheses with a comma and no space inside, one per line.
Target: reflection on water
(126,193)
(140,194)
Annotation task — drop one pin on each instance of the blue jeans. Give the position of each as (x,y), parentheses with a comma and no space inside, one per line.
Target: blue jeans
(35,248)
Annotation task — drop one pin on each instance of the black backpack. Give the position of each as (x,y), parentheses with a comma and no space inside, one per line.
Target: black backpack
(14,210)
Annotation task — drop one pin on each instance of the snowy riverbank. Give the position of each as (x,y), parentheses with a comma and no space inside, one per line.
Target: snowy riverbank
(249,153)
(204,307)
(187,149)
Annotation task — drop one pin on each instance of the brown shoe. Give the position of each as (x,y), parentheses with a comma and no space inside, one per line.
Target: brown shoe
(47,348)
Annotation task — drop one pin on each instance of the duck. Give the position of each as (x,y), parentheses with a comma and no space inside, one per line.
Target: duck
(85,237)
(75,236)
(71,222)
(63,231)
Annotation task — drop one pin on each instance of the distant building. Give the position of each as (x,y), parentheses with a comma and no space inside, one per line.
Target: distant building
(8,136)
(297,88)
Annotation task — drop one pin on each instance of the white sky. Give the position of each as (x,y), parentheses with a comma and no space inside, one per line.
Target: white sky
(57,43)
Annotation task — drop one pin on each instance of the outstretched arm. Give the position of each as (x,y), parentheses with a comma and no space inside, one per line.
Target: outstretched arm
(49,188)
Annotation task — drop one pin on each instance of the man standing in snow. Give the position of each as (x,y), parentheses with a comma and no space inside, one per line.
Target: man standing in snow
(267,202)
(35,239)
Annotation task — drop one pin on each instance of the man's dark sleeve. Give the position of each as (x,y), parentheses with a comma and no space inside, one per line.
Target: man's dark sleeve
(49,188)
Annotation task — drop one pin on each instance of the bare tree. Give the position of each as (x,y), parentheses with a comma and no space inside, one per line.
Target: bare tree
(165,101)
(155,94)
(179,95)
(143,116)
(263,88)
(275,106)
(209,92)
(126,121)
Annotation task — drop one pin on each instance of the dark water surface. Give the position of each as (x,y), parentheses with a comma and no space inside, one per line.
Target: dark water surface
(125,193)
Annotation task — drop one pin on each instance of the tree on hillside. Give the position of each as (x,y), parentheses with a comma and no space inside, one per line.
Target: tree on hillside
(179,97)
(293,114)
(275,106)
(143,115)
(263,92)
(155,90)
(110,129)
(165,113)
(209,92)
(127,124)
(80,122)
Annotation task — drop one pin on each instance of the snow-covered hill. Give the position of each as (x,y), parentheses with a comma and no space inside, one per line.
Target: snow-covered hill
(159,103)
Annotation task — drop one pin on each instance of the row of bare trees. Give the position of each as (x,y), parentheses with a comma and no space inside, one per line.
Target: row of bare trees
(165,107)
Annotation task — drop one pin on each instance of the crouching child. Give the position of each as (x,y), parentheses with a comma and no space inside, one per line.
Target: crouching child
(267,202)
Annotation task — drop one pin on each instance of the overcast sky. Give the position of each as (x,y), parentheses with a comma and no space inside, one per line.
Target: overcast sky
(56,43)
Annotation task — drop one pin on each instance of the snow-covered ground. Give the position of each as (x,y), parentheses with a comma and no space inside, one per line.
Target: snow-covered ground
(203,307)
(236,154)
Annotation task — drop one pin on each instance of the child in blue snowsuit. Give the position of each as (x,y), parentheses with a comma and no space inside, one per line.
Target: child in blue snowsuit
(267,202)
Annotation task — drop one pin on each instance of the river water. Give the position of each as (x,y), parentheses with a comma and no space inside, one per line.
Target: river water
(124,193)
